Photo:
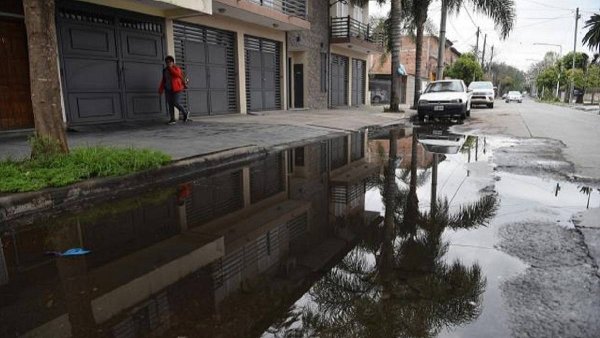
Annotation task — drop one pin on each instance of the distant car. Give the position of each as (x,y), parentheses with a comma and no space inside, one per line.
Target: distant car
(483,93)
(514,96)
(445,98)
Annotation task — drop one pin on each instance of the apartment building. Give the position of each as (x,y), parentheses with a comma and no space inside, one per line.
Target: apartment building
(240,56)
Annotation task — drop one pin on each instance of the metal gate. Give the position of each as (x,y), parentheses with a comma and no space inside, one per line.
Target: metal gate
(339,80)
(111,63)
(208,57)
(358,82)
(263,70)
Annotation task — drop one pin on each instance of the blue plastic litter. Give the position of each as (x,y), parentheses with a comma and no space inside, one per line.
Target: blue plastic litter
(76,252)
(70,252)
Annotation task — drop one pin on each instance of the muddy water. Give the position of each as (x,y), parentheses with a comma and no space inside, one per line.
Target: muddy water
(319,241)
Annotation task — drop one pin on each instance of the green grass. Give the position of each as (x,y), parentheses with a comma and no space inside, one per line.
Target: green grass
(80,164)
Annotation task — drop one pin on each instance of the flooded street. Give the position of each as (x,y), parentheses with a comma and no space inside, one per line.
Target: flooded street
(401,232)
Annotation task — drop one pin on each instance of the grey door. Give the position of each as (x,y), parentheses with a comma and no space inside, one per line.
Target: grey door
(111,64)
(339,80)
(358,82)
(262,74)
(208,58)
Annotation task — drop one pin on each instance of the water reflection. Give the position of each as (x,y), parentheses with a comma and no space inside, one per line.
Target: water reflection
(215,254)
(280,247)
(396,281)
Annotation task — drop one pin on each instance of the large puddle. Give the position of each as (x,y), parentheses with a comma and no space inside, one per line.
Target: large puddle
(354,237)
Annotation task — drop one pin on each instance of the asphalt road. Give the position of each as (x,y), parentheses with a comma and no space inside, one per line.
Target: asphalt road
(558,294)
(578,130)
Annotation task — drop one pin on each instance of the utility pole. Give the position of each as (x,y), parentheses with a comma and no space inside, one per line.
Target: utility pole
(483,51)
(574,54)
(442,43)
(491,58)
(477,44)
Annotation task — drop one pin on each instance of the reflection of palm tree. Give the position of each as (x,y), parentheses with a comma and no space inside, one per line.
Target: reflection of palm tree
(398,284)
(587,191)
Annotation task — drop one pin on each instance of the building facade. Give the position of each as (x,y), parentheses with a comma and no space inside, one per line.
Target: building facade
(380,67)
(240,56)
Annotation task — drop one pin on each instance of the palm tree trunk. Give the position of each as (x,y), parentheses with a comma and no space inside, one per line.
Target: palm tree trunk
(43,70)
(396,16)
(442,42)
(418,56)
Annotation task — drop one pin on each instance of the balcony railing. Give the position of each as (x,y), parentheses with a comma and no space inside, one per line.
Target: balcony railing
(295,8)
(347,27)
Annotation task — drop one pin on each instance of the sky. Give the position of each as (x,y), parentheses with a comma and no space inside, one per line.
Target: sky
(538,21)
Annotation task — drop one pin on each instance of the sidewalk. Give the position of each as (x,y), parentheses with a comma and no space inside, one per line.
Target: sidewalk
(209,135)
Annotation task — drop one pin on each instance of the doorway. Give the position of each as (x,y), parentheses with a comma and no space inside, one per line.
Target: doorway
(299,86)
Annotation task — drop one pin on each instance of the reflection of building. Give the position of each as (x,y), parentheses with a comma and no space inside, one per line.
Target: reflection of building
(163,262)
(379,150)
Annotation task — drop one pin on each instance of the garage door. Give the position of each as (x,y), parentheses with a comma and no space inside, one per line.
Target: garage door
(262,74)
(339,80)
(111,64)
(207,56)
(358,82)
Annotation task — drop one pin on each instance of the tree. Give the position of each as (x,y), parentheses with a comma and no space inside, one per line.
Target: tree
(395,29)
(507,77)
(502,12)
(465,68)
(581,61)
(577,77)
(592,79)
(592,37)
(45,90)
(546,81)
(417,10)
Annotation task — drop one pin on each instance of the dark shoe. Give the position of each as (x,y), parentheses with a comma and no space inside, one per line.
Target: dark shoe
(187,120)
(171,122)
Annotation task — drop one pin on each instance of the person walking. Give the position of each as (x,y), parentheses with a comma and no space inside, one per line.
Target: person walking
(173,84)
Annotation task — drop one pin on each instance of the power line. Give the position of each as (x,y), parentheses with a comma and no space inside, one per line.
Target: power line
(546,5)
(542,22)
(469,14)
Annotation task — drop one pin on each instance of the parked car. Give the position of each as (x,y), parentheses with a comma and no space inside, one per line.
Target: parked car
(440,141)
(483,93)
(445,98)
(514,96)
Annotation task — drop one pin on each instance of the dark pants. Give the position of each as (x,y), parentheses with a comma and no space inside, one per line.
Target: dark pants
(172,102)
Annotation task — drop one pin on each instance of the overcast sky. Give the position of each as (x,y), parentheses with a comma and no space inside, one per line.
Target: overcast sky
(538,21)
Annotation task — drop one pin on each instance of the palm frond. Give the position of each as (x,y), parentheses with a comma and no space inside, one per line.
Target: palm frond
(476,214)
(592,37)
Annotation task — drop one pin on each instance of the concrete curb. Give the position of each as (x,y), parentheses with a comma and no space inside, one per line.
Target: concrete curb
(55,200)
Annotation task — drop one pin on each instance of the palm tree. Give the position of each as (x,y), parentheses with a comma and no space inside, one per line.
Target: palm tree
(417,10)
(395,43)
(396,283)
(502,12)
(592,37)
(587,191)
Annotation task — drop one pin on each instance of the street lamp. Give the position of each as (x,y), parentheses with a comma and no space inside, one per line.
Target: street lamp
(559,56)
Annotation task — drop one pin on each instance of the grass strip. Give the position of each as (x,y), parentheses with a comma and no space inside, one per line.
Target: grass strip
(80,164)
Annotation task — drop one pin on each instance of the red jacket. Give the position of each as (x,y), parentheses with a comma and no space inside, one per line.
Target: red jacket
(177,80)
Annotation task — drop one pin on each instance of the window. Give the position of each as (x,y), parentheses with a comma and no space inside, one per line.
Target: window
(323,72)
(358,13)
(341,9)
